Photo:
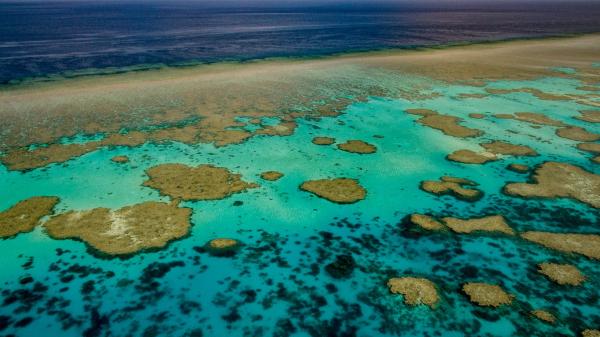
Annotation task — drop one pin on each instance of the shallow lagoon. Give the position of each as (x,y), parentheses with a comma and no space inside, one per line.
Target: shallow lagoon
(276,284)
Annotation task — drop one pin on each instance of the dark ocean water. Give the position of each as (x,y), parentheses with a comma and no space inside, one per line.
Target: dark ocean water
(41,38)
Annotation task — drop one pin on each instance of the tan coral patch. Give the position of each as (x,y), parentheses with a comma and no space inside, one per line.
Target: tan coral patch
(487,295)
(564,274)
(124,231)
(339,190)
(415,290)
(554,180)
(204,182)
(25,215)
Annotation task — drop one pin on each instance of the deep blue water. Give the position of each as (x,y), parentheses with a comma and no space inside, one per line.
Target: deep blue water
(41,38)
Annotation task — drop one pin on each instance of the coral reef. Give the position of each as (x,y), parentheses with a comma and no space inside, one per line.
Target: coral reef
(487,295)
(415,290)
(519,168)
(357,146)
(498,147)
(584,244)
(471,157)
(494,223)
(339,190)
(124,231)
(120,159)
(544,316)
(271,175)
(554,180)
(426,222)
(531,117)
(323,140)
(204,182)
(342,267)
(449,125)
(452,186)
(25,215)
(578,134)
(563,274)
(222,247)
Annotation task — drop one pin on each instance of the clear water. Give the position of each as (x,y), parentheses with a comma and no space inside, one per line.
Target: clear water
(276,285)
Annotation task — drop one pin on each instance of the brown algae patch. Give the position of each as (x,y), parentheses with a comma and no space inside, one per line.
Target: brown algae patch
(477,115)
(124,231)
(120,159)
(453,186)
(556,180)
(222,247)
(563,274)
(426,222)
(271,175)
(578,134)
(544,316)
(203,182)
(323,140)
(487,295)
(531,117)
(499,147)
(415,290)
(584,244)
(471,157)
(519,168)
(494,223)
(591,116)
(25,215)
(357,146)
(449,125)
(339,190)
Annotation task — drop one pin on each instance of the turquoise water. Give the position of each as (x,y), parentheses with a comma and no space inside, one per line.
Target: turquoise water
(276,285)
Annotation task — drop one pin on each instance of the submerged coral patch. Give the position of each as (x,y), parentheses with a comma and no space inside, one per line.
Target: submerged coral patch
(477,115)
(120,159)
(554,180)
(544,316)
(203,182)
(583,244)
(589,147)
(271,175)
(487,295)
(471,157)
(222,246)
(499,147)
(357,146)
(563,274)
(342,267)
(590,333)
(531,117)
(415,290)
(25,215)
(494,223)
(426,222)
(449,125)
(124,231)
(453,186)
(519,168)
(339,190)
(578,134)
(591,116)
(323,140)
